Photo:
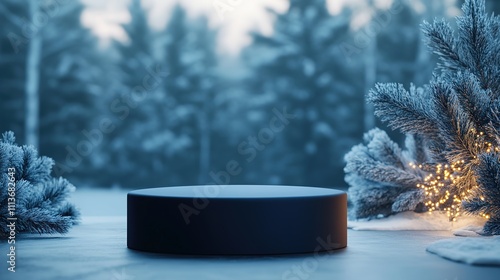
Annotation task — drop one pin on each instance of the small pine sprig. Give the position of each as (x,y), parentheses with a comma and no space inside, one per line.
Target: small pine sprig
(380,181)
(40,199)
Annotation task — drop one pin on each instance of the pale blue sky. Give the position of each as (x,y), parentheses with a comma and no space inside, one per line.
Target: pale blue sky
(242,16)
(104,17)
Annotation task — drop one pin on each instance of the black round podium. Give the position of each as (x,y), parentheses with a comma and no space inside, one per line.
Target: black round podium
(236,220)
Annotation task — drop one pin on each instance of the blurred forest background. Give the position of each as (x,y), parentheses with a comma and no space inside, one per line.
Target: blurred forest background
(174,105)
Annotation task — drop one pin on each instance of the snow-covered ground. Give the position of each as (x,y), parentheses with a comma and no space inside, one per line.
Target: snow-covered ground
(475,250)
(96,249)
(471,250)
(469,247)
(416,221)
(100,202)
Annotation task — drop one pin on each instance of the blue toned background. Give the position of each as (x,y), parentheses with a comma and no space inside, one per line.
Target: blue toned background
(159,93)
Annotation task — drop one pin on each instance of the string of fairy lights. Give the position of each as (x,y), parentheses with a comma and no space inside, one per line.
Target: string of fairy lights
(440,185)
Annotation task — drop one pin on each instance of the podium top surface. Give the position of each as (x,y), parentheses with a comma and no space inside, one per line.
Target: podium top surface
(237,191)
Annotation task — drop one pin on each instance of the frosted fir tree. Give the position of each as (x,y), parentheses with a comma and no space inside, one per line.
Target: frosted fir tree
(302,68)
(139,76)
(73,81)
(193,85)
(452,159)
(62,78)
(12,67)
(40,204)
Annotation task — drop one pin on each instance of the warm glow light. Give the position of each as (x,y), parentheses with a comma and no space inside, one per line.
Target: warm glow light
(443,179)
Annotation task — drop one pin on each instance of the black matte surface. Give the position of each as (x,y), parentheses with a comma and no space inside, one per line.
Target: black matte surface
(237,220)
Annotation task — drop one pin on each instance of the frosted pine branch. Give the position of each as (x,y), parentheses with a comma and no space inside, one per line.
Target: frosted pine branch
(41,205)
(452,123)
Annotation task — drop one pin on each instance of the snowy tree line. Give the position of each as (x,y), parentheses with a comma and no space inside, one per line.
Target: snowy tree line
(167,108)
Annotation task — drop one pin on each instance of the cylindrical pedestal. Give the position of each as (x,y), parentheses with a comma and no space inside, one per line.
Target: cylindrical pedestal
(240,220)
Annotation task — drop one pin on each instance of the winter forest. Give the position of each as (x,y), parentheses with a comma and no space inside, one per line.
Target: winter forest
(144,104)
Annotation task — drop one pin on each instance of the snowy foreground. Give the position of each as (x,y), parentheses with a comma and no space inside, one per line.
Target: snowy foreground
(471,250)
(96,249)
(469,247)
(416,221)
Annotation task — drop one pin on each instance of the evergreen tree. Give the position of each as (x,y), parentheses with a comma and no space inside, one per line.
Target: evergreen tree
(72,81)
(300,68)
(135,108)
(398,30)
(393,28)
(136,54)
(12,65)
(164,138)
(401,34)
(454,121)
(53,80)
(192,86)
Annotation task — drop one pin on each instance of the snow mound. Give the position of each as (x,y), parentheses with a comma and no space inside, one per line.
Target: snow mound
(417,221)
(470,250)
(469,231)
